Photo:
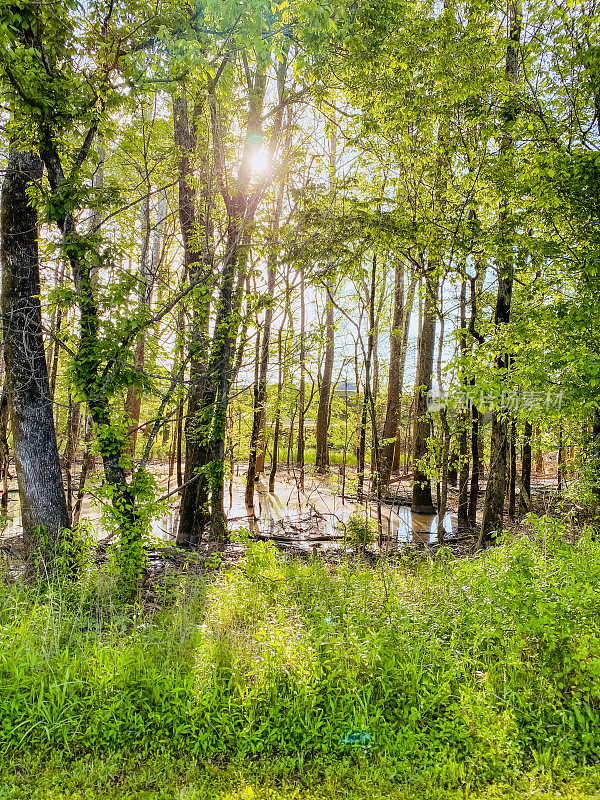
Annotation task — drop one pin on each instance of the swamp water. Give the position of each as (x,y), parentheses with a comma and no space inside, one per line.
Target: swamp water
(309,519)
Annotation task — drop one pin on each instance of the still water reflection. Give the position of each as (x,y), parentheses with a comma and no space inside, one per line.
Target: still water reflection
(310,519)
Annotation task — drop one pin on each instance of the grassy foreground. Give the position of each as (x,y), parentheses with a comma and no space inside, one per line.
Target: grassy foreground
(280,680)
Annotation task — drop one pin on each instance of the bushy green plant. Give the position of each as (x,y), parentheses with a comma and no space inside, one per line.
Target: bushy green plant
(359,531)
(456,673)
(64,557)
(131,517)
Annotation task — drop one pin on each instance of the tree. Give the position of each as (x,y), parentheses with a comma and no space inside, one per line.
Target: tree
(41,493)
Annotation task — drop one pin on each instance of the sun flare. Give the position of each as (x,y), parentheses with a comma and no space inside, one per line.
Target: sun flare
(260,162)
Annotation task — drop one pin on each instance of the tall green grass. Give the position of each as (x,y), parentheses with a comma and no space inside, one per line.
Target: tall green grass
(454,673)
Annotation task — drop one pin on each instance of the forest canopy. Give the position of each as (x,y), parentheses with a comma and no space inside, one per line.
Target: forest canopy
(324,275)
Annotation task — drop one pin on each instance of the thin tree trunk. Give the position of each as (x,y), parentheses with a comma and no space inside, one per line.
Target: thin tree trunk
(95,389)
(302,390)
(410,300)
(322,427)
(368,404)
(148,272)
(55,331)
(422,502)
(4,451)
(86,467)
(463,483)
(475,418)
(443,499)
(71,448)
(526,467)
(277,414)
(560,461)
(260,399)
(392,413)
(539,455)
(512,480)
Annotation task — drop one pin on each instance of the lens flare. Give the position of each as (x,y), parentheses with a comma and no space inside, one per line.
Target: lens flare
(260,161)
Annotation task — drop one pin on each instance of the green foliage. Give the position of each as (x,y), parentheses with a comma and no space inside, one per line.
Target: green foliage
(461,673)
(64,557)
(163,777)
(129,514)
(359,531)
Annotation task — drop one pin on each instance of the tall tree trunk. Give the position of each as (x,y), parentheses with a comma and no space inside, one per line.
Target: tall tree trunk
(260,399)
(322,427)
(560,461)
(41,492)
(410,300)
(526,467)
(148,271)
(493,510)
(302,389)
(241,205)
(91,383)
(463,484)
(277,412)
(220,368)
(392,413)
(475,417)
(198,265)
(422,502)
(512,473)
(4,450)
(368,406)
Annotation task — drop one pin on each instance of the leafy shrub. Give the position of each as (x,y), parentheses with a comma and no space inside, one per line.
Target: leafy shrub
(359,531)
(455,673)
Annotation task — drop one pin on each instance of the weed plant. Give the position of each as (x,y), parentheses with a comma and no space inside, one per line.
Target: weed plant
(454,674)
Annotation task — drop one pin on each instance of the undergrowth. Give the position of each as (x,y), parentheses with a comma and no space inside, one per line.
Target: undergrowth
(458,674)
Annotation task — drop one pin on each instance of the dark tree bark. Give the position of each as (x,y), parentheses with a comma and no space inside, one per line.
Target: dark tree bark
(220,368)
(198,266)
(92,380)
(512,473)
(302,390)
(41,492)
(526,467)
(463,445)
(392,412)
(476,419)
(322,427)
(323,408)
(274,460)
(4,451)
(422,502)
(260,397)
(560,461)
(495,493)
(399,447)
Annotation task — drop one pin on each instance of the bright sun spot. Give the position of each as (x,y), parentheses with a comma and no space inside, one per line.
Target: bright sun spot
(260,162)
